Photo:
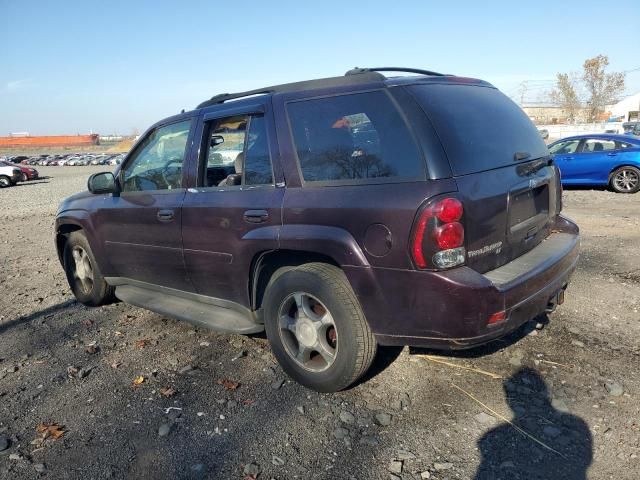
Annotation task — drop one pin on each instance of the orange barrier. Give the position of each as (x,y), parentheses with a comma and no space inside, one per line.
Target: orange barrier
(50,141)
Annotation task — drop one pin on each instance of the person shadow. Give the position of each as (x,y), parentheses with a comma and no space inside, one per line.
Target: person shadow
(507,453)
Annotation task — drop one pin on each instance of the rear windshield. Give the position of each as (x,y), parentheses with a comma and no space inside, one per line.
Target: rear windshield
(480,128)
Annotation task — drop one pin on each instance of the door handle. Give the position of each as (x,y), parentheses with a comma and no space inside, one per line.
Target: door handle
(612,154)
(256,216)
(165,215)
(568,158)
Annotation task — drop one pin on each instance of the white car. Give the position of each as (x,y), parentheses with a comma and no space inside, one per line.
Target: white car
(9,176)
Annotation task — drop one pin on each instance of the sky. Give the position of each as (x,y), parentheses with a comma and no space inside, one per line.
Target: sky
(117,67)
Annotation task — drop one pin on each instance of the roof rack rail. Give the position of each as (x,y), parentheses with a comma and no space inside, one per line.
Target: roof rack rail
(365,77)
(357,71)
(223,97)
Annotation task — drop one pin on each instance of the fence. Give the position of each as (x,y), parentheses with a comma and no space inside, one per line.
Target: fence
(562,131)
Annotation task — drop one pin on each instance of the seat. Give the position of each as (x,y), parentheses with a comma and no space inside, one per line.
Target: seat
(234,178)
(597,147)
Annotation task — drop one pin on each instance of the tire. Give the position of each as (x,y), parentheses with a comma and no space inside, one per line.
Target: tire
(625,180)
(24,177)
(5,181)
(86,282)
(313,306)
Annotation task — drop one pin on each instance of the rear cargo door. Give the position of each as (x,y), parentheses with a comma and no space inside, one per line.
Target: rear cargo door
(506,180)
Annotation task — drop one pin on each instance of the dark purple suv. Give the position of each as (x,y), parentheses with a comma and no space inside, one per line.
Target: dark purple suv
(336,214)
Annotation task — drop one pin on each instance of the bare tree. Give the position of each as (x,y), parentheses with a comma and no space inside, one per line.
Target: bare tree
(565,94)
(602,88)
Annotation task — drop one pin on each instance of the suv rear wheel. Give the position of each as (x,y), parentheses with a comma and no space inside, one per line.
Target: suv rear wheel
(316,327)
(625,180)
(83,274)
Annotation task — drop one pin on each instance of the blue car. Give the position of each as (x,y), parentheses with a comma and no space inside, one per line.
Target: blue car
(605,159)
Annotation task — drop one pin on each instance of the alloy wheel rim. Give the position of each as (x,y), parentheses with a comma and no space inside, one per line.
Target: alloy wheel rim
(626,180)
(83,271)
(308,331)
(4,182)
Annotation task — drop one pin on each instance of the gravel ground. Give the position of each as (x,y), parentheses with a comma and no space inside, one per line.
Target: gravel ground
(218,406)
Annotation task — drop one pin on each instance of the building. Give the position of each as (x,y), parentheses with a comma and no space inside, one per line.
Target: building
(626,110)
(542,113)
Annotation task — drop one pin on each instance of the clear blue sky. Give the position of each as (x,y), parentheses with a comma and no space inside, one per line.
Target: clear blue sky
(74,66)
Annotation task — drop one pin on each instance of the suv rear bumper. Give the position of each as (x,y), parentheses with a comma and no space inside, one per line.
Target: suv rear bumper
(450,309)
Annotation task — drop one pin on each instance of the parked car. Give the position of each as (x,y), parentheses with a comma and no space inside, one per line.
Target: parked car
(26,173)
(449,236)
(116,160)
(9,175)
(606,160)
(631,128)
(17,159)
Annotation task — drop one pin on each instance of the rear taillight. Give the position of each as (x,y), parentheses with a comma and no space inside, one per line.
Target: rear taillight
(437,241)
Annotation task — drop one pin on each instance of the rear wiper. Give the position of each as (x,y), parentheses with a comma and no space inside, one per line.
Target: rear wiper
(520,156)
(533,166)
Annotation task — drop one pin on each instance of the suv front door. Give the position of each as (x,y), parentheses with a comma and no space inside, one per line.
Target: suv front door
(234,210)
(564,156)
(141,225)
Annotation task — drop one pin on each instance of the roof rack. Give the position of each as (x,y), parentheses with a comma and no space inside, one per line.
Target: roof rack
(365,77)
(357,71)
(352,77)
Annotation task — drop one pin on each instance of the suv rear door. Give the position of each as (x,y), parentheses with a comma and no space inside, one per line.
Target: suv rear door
(232,211)
(509,189)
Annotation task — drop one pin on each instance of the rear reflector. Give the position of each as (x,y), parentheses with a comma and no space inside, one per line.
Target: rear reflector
(418,238)
(497,318)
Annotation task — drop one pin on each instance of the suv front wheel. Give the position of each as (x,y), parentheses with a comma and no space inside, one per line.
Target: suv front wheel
(316,327)
(83,274)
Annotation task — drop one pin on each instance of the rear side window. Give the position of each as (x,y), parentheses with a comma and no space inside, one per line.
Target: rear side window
(358,137)
(479,127)
(598,145)
(237,152)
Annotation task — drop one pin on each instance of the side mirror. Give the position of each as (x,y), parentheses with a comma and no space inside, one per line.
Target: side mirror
(103,182)
(216,140)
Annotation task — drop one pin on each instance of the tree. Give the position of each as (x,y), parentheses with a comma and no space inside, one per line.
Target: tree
(602,88)
(565,94)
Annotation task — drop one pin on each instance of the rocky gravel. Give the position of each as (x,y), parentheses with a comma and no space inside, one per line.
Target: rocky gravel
(120,392)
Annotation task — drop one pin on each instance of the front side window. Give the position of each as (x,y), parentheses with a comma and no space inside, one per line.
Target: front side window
(353,137)
(157,162)
(237,152)
(562,148)
(594,145)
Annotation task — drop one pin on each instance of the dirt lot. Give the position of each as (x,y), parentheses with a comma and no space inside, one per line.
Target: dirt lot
(572,387)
